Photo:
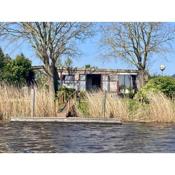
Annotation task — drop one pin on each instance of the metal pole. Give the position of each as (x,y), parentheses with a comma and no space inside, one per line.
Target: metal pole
(32,101)
(104,104)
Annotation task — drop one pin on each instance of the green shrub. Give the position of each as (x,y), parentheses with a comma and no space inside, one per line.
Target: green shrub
(66,91)
(133,105)
(19,71)
(83,107)
(166,85)
(41,79)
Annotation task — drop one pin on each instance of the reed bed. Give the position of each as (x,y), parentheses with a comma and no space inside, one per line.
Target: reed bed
(159,109)
(15,102)
(114,107)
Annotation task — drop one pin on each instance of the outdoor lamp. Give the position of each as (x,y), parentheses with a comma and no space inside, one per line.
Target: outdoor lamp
(162,68)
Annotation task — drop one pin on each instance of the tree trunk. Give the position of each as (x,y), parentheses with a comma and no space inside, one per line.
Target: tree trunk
(53,80)
(143,78)
(51,86)
(55,77)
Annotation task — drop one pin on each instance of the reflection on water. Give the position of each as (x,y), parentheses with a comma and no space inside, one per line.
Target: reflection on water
(64,137)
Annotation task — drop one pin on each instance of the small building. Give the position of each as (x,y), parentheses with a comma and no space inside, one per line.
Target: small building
(120,81)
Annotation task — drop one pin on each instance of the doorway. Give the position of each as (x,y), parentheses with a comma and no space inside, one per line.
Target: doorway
(93,82)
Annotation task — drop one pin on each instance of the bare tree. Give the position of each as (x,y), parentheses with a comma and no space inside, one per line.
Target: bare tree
(51,40)
(136,42)
(3,29)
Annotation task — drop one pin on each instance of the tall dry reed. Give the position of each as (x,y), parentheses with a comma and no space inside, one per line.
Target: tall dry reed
(161,108)
(115,107)
(15,102)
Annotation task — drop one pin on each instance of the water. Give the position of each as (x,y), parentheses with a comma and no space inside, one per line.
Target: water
(26,137)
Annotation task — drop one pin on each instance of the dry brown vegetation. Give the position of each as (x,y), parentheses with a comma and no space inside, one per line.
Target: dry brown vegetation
(16,102)
(115,107)
(159,109)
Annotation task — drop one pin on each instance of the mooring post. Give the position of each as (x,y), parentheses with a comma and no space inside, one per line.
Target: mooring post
(32,101)
(104,104)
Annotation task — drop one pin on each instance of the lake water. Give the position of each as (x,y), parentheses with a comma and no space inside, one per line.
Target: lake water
(29,137)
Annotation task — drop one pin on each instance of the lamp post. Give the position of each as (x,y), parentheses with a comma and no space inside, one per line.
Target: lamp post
(162,68)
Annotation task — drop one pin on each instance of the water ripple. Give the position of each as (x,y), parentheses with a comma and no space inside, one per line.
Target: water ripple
(45,137)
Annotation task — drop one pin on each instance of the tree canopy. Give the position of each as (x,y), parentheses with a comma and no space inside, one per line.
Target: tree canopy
(17,72)
(50,41)
(136,42)
(4,59)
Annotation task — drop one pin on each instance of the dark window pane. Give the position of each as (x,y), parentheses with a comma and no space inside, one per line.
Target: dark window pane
(69,78)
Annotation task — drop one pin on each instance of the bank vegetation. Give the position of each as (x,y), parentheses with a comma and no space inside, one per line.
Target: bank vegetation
(159,108)
(17,102)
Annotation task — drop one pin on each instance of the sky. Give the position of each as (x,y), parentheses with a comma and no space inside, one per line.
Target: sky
(91,54)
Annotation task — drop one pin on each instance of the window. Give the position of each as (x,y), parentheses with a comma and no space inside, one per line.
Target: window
(69,78)
(126,83)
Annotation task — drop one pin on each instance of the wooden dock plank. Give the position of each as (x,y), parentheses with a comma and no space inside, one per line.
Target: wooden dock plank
(65,120)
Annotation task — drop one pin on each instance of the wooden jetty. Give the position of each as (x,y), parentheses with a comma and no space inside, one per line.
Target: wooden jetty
(65,120)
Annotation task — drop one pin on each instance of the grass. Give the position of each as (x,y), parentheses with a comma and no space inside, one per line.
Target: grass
(115,107)
(159,109)
(93,106)
(16,102)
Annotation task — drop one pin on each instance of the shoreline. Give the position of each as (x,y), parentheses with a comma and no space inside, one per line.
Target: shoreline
(65,120)
(79,120)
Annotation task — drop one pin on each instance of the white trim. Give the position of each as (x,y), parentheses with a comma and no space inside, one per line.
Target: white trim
(126,73)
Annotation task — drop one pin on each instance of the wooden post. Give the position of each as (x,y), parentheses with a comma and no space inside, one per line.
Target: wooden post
(68,106)
(54,107)
(32,101)
(104,104)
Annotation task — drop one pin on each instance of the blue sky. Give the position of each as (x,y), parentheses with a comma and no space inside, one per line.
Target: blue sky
(91,54)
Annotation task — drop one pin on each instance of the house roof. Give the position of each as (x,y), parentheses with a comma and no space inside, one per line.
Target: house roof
(92,70)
